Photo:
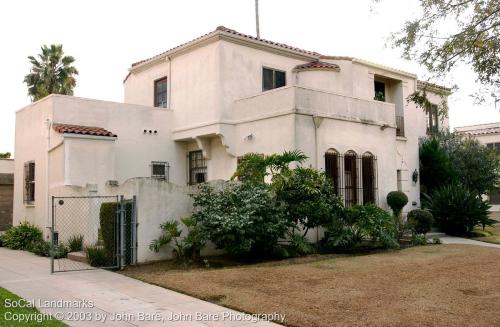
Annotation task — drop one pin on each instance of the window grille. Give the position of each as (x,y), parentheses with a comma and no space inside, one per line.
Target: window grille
(160,170)
(197,168)
(369,182)
(332,167)
(350,179)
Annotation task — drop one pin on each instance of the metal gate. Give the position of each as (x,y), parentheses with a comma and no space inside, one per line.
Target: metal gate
(90,232)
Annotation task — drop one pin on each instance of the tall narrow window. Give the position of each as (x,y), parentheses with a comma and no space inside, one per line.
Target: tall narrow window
(399,178)
(332,167)
(432,119)
(350,179)
(197,168)
(272,79)
(379,89)
(161,93)
(29,182)
(369,177)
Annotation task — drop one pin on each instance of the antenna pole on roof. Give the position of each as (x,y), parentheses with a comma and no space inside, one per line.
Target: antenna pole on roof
(257,18)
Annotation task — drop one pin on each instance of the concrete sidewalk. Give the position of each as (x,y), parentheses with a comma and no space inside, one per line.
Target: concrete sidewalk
(112,296)
(459,240)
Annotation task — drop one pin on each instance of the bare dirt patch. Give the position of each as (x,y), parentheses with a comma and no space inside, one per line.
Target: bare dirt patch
(439,285)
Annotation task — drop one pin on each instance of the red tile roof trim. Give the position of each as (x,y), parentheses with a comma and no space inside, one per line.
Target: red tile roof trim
(233,32)
(82,130)
(482,131)
(317,65)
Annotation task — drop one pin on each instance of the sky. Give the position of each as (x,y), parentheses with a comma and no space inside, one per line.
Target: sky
(106,36)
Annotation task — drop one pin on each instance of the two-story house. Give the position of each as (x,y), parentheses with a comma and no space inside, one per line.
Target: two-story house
(190,112)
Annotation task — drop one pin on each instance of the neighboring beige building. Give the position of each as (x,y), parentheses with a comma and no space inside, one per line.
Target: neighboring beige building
(489,135)
(6,192)
(190,112)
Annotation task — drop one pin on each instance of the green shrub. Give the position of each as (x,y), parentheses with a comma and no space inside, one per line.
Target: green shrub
(97,256)
(21,237)
(240,218)
(396,201)
(456,209)
(107,222)
(300,246)
(361,223)
(420,220)
(42,248)
(436,240)
(185,248)
(75,243)
(309,198)
(418,239)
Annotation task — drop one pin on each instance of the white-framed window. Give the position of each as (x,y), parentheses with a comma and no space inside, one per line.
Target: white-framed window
(29,182)
(272,78)
(160,170)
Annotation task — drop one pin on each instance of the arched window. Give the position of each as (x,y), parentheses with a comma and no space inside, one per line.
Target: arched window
(369,177)
(332,164)
(350,179)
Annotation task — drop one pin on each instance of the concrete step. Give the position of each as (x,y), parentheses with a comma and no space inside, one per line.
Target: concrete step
(77,256)
(432,235)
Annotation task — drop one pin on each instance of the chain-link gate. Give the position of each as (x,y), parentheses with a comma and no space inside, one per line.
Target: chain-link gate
(90,232)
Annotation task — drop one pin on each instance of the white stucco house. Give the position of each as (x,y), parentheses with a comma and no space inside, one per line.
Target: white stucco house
(489,135)
(190,112)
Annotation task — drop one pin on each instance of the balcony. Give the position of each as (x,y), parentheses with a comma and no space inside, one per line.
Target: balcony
(296,99)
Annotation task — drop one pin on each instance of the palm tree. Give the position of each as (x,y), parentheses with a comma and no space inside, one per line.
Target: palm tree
(51,73)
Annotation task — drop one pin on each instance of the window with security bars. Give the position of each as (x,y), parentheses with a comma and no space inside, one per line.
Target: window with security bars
(369,183)
(197,168)
(29,182)
(161,93)
(332,165)
(160,170)
(350,179)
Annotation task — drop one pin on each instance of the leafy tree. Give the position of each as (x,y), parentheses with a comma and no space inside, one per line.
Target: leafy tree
(435,166)
(5,155)
(471,36)
(309,198)
(51,73)
(476,166)
(254,167)
(451,158)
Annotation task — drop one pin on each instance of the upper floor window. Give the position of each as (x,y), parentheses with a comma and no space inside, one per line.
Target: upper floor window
(159,170)
(161,92)
(272,79)
(494,146)
(432,119)
(379,88)
(29,182)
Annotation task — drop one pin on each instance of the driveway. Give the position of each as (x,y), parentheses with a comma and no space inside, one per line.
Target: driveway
(99,297)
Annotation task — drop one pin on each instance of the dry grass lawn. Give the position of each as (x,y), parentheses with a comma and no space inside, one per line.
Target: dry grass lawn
(438,285)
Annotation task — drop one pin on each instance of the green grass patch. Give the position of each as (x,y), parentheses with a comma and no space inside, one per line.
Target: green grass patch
(13,317)
(490,234)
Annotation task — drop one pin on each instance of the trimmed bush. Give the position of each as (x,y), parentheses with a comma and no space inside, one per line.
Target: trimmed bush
(21,237)
(457,210)
(240,218)
(420,220)
(107,219)
(97,256)
(75,243)
(396,201)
